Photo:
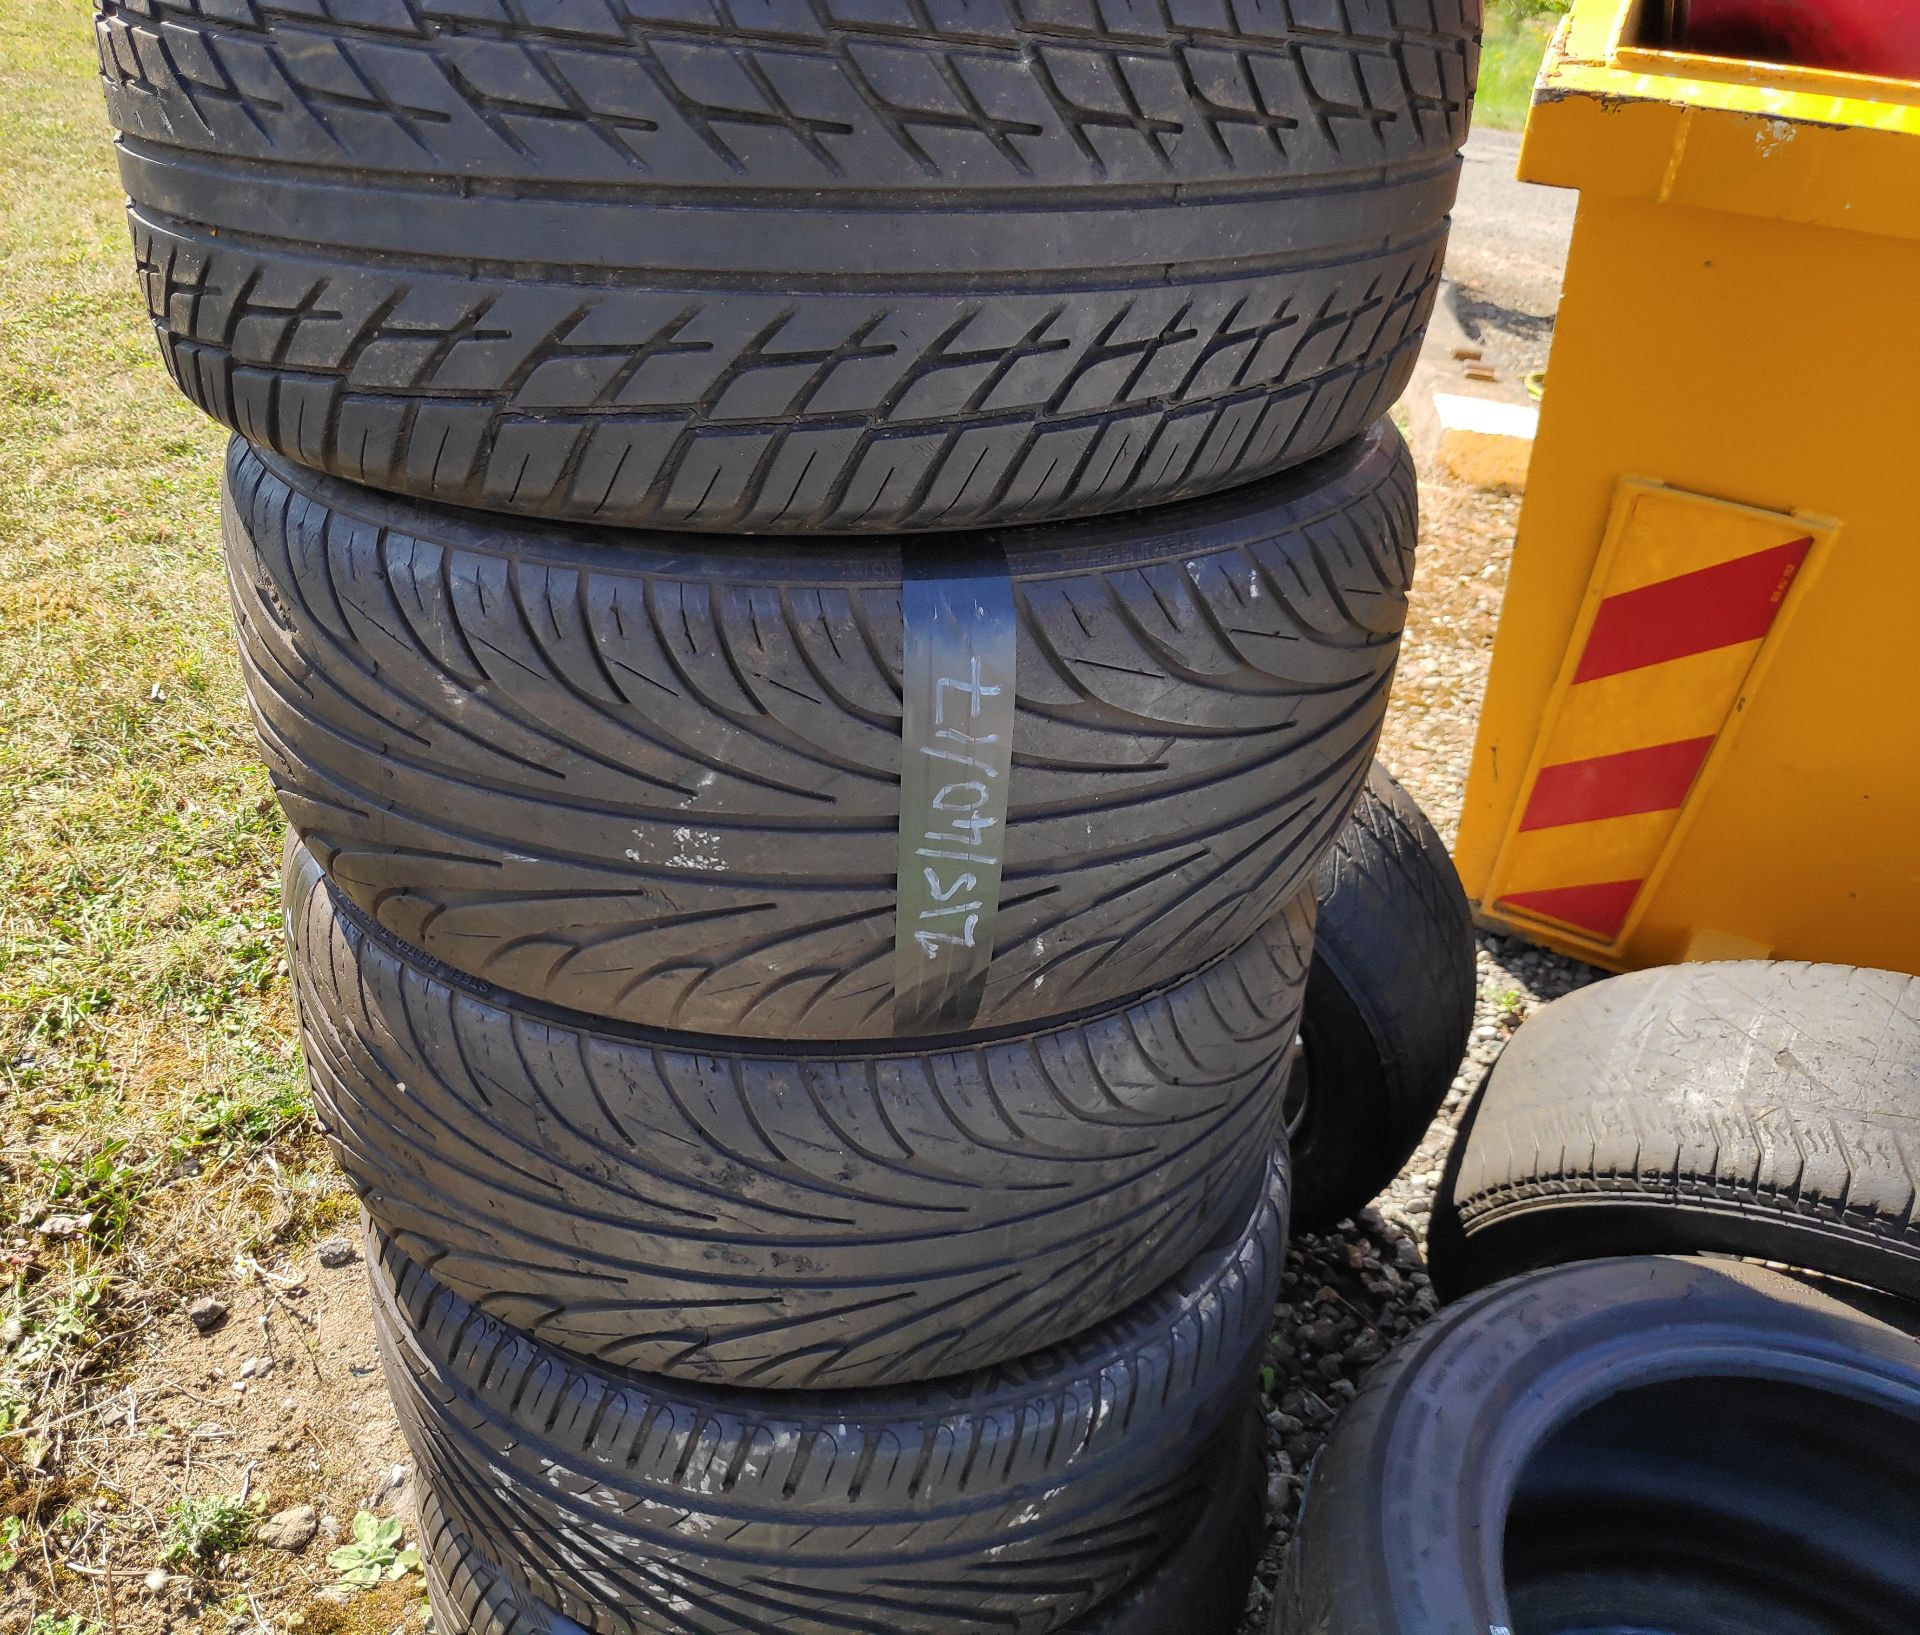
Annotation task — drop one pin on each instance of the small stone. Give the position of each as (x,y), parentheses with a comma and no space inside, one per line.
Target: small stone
(330,1526)
(290,1529)
(336,1252)
(256,1368)
(1313,1410)
(207,1313)
(1323,1334)
(391,1483)
(12,1331)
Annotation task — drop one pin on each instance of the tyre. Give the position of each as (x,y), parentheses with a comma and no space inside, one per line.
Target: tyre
(1017,1498)
(664,786)
(1624,1445)
(1199,1589)
(780,1219)
(1764,1110)
(1388,1009)
(791,268)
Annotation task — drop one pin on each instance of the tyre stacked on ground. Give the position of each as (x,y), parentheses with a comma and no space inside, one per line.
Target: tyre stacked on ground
(708,1299)
(725,1281)
(792,266)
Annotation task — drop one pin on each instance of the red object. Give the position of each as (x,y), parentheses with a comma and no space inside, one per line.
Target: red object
(1599,909)
(1732,602)
(1858,36)
(1657,779)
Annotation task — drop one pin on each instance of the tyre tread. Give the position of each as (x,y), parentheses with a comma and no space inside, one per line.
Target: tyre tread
(664,789)
(750,396)
(1012,1499)
(1771,1108)
(743,1215)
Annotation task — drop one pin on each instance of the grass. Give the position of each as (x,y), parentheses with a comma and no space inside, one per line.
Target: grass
(153,1119)
(1516,39)
(46,1623)
(201,1531)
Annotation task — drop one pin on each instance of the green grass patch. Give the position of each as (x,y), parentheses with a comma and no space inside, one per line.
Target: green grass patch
(154,1120)
(1517,35)
(202,1531)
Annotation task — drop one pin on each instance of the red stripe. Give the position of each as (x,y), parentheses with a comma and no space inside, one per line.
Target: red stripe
(1721,606)
(1599,909)
(1610,786)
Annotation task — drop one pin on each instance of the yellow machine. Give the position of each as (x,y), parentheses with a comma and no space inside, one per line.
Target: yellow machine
(1701,737)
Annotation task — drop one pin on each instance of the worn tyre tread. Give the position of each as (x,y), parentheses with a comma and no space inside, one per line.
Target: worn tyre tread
(1013,1499)
(1042,405)
(1765,1109)
(664,787)
(379,244)
(716,1211)
(1199,1589)
(1010,95)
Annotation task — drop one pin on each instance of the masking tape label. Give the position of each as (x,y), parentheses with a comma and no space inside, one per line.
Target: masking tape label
(957,679)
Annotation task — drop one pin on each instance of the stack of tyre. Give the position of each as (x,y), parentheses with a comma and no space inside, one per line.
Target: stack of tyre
(801,889)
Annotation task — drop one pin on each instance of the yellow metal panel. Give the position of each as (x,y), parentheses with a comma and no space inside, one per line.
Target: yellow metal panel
(1791,144)
(1763,352)
(1684,587)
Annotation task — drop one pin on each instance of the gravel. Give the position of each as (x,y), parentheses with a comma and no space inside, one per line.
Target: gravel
(1351,1295)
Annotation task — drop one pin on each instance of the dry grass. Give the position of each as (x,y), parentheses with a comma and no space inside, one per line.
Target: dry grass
(153,1122)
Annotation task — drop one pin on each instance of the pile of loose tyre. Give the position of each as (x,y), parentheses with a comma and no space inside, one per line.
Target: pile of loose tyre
(1623,1423)
(819,580)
